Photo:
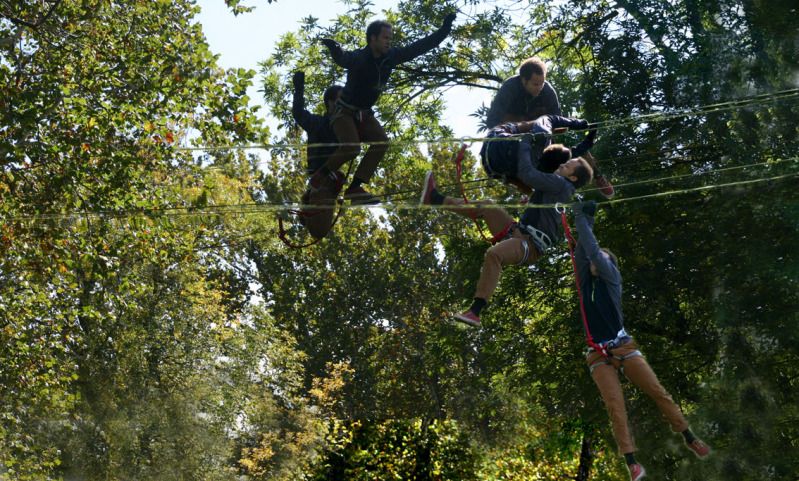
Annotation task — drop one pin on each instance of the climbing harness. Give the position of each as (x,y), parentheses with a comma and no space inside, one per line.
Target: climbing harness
(561,209)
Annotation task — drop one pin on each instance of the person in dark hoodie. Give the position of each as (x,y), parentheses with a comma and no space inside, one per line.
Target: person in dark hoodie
(317,127)
(520,242)
(321,144)
(513,148)
(601,288)
(368,71)
(526,96)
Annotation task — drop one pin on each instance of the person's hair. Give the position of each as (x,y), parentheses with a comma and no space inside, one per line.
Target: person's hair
(532,65)
(331,93)
(612,256)
(374,29)
(555,154)
(583,172)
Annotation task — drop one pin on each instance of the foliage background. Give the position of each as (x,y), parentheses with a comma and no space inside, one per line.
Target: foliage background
(152,326)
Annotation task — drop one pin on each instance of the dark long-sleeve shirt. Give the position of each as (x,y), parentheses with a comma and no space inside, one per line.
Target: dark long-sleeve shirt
(318,129)
(542,129)
(512,99)
(367,75)
(549,189)
(542,137)
(601,294)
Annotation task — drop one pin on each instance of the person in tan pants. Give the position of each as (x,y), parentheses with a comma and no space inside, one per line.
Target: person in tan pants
(600,287)
(522,242)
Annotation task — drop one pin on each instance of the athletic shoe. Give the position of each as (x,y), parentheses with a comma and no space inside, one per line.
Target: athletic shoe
(636,471)
(325,188)
(699,448)
(428,189)
(604,186)
(332,181)
(359,196)
(469,317)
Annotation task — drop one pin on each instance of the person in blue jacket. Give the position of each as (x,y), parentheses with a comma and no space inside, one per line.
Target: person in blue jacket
(368,71)
(601,289)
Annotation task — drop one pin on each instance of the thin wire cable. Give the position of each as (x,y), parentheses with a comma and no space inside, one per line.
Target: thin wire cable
(267,208)
(476,184)
(631,120)
(694,174)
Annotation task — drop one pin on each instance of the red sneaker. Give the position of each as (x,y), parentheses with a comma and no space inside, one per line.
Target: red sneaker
(699,448)
(428,188)
(636,471)
(359,196)
(469,317)
(605,187)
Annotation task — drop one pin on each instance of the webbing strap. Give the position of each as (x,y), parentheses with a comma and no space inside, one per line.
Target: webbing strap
(570,239)
(458,172)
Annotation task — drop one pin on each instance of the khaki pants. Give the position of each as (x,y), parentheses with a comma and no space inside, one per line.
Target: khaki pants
(506,252)
(605,375)
(349,131)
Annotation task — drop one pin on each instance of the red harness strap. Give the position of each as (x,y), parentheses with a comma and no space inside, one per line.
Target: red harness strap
(588,338)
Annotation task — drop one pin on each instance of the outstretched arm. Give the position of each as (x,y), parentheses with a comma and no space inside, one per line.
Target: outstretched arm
(424,45)
(298,105)
(302,116)
(588,246)
(585,145)
(343,59)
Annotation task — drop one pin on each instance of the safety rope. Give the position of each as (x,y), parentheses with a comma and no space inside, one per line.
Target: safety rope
(259,208)
(589,339)
(631,120)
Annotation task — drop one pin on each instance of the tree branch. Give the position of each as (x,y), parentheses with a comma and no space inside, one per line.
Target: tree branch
(453,75)
(20,22)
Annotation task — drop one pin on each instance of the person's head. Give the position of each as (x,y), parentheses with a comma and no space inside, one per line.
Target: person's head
(533,73)
(576,169)
(378,37)
(332,94)
(605,253)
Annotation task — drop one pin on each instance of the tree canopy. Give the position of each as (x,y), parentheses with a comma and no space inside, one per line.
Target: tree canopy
(153,326)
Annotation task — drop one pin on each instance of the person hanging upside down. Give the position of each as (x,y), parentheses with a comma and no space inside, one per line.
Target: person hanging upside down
(368,70)
(520,242)
(601,287)
(509,154)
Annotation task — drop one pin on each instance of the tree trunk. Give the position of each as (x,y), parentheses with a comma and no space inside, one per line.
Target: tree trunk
(586,458)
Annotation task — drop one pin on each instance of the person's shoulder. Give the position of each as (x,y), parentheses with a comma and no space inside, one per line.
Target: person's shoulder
(515,81)
(548,88)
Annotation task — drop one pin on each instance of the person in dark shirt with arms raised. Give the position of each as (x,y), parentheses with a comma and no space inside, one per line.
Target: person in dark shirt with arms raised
(368,71)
